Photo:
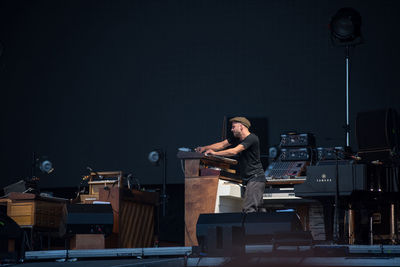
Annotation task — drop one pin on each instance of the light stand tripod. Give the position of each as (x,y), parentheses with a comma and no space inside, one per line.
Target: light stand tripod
(336,234)
(155,157)
(345,29)
(347,126)
(164,187)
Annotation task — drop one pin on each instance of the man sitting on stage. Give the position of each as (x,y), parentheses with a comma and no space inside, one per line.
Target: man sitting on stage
(247,146)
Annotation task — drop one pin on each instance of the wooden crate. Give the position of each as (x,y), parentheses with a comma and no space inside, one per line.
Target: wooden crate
(87,241)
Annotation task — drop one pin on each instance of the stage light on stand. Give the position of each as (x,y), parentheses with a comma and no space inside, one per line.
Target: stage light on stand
(155,157)
(46,166)
(345,27)
(345,30)
(41,163)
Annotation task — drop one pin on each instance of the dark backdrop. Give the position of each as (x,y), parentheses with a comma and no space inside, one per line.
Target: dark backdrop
(102,83)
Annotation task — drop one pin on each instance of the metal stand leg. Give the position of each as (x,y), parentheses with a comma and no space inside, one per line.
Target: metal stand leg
(371,232)
(351,227)
(393,224)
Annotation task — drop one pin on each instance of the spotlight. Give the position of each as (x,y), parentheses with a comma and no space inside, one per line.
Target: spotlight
(345,27)
(155,156)
(46,166)
(39,163)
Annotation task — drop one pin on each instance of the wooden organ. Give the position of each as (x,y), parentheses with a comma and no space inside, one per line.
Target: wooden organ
(211,186)
(133,209)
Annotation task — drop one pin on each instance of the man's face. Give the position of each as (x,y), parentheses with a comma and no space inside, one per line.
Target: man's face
(236,129)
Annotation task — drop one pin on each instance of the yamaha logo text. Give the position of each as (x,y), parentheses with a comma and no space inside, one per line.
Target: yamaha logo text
(324,179)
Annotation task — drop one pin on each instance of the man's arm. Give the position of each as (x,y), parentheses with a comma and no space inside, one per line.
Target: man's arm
(227,152)
(216,146)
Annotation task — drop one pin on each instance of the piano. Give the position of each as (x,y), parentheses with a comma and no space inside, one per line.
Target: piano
(211,186)
(354,190)
(321,180)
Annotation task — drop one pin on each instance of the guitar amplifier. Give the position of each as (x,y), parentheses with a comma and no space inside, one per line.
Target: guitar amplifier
(330,153)
(295,154)
(297,140)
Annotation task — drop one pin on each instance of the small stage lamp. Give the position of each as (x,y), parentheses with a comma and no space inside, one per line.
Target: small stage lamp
(345,27)
(155,156)
(46,166)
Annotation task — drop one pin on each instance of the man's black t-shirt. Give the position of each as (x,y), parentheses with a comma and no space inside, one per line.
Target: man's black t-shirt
(250,166)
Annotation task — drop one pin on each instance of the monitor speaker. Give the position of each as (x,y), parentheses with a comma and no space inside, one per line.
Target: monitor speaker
(228,233)
(89,219)
(221,233)
(273,227)
(11,240)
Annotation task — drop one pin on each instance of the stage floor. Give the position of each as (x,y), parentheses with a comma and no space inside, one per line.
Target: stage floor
(255,255)
(172,262)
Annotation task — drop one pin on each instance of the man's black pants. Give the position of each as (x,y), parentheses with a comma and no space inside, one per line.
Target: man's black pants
(253,196)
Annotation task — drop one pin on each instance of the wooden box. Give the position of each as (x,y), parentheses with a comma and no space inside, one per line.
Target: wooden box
(33,211)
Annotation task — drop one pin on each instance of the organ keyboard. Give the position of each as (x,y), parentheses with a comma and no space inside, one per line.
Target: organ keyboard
(199,164)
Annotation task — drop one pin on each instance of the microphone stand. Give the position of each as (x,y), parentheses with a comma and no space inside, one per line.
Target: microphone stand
(95,172)
(164,188)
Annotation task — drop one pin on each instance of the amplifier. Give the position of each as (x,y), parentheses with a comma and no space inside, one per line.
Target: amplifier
(330,153)
(279,193)
(297,140)
(374,155)
(295,154)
